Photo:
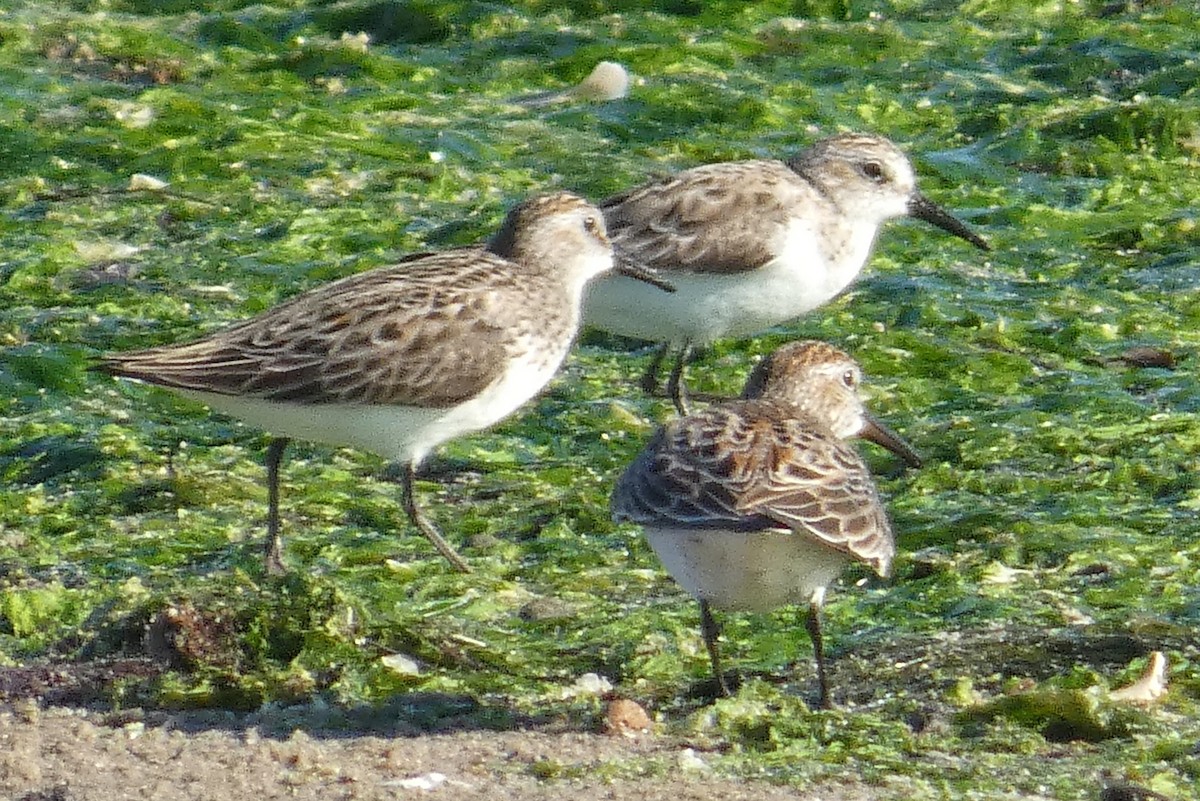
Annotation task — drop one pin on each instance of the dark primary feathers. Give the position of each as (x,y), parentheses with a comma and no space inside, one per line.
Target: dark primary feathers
(753,465)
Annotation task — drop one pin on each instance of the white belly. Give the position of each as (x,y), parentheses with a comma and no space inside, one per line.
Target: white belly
(747,571)
(709,306)
(404,433)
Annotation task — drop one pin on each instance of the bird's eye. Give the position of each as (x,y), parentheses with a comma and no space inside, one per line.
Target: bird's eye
(849,379)
(874,171)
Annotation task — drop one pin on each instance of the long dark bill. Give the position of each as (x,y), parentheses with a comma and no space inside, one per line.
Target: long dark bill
(643,273)
(884,437)
(925,209)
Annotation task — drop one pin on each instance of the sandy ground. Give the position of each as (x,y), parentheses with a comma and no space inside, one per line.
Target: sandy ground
(60,741)
(71,754)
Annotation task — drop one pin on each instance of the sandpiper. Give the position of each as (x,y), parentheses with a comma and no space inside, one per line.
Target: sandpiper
(400,359)
(759,503)
(752,244)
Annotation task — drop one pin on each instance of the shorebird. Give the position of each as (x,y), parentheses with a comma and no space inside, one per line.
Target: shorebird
(752,244)
(759,503)
(400,359)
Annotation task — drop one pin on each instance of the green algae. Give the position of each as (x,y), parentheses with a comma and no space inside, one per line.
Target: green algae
(1059,496)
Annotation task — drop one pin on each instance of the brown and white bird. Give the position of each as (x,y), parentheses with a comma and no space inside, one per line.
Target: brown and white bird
(752,244)
(760,503)
(400,359)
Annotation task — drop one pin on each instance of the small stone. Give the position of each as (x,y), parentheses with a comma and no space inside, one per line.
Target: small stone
(428,781)
(541,610)
(588,684)
(399,663)
(141,181)
(608,81)
(689,760)
(626,718)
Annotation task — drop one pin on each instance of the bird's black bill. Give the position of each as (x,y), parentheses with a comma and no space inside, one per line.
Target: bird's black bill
(884,437)
(643,273)
(925,209)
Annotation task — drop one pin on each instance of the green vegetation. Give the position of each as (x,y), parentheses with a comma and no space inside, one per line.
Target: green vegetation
(1049,544)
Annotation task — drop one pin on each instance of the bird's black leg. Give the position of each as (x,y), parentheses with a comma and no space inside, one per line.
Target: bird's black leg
(813,623)
(273,557)
(649,380)
(711,631)
(424,526)
(676,385)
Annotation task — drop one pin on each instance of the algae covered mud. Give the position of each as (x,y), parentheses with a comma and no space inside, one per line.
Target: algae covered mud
(172,167)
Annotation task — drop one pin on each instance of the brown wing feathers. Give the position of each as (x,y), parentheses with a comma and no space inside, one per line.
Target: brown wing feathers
(763,471)
(359,340)
(665,228)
